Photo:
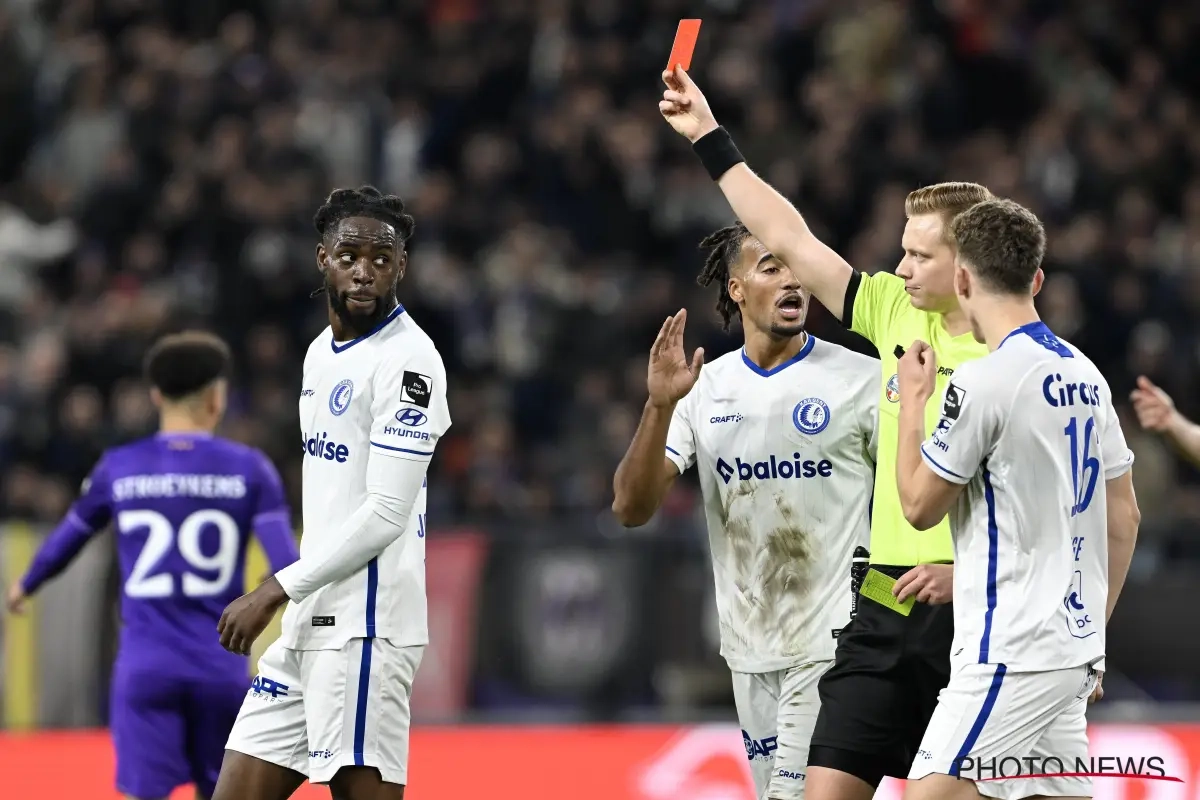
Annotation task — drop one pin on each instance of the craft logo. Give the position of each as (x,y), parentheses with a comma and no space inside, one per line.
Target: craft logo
(1033,767)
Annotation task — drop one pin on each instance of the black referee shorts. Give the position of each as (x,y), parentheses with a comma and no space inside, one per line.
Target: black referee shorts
(877,698)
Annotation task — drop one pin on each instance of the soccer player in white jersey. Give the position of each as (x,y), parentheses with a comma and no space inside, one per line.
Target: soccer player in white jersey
(782,433)
(1030,461)
(331,699)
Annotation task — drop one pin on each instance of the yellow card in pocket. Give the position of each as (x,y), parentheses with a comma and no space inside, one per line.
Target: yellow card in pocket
(878,587)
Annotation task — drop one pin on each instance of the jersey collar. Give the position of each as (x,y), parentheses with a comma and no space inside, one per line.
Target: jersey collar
(338,348)
(810,341)
(1040,333)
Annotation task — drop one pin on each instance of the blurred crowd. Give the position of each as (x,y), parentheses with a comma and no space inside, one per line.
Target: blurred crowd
(160,163)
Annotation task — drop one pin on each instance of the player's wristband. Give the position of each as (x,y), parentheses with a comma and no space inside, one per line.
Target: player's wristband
(717,152)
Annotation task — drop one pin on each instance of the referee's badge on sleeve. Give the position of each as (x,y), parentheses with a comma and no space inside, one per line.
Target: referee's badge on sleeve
(416,388)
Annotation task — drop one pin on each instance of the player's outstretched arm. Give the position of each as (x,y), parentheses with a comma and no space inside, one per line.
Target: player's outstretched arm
(766,213)
(926,487)
(1156,412)
(89,514)
(1124,517)
(645,474)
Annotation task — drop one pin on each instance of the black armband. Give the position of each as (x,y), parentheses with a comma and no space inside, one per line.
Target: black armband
(717,152)
(848,301)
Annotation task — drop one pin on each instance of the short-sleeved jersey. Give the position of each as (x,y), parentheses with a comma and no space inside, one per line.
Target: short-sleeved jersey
(381,395)
(184,507)
(1032,433)
(883,313)
(785,459)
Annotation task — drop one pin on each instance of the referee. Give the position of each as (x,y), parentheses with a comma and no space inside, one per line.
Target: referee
(894,657)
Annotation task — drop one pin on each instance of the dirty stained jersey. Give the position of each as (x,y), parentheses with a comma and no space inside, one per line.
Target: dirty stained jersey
(786,466)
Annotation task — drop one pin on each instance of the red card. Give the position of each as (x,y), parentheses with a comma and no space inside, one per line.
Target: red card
(685,44)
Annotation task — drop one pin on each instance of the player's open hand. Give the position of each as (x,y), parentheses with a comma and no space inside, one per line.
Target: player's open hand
(1155,409)
(247,617)
(917,373)
(670,376)
(929,583)
(683,105)
(15,601)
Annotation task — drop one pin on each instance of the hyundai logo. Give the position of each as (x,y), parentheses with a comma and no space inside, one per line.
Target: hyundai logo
(411,417)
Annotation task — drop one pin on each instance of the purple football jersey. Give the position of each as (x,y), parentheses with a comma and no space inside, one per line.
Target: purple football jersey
(183,507)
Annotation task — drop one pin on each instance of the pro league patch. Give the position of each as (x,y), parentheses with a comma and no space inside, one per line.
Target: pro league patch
(952,406)
(416,388)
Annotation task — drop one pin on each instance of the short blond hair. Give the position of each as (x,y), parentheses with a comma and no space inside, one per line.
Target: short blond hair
(947,199)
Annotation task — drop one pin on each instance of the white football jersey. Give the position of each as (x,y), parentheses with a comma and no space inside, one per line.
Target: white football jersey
(381,395)
(1031,431)
(787,463)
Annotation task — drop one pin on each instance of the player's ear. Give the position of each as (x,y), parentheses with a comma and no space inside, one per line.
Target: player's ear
(737,292)
(321,256)
(962,281)
(156,397)
(1039,278)
(217,395)
(401,264)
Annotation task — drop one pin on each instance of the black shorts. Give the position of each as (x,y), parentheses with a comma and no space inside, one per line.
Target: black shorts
(877,698)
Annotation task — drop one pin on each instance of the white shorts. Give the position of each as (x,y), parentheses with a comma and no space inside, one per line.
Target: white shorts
(1000,728)
(315,711)
(778,711)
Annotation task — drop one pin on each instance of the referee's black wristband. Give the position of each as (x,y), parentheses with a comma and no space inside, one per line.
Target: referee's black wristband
(717,152)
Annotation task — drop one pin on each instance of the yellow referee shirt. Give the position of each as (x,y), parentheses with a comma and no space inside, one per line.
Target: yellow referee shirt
(883,313)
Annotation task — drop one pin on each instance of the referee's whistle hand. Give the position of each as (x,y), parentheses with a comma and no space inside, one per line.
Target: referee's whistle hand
(928,583)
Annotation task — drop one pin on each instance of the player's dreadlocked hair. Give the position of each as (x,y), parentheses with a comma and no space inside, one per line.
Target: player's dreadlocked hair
(365,201)
(725,249)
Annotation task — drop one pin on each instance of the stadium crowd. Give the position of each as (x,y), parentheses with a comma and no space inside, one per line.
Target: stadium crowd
(160,163)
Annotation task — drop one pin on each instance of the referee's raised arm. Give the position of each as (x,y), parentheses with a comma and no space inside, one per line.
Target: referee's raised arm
(765,212)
